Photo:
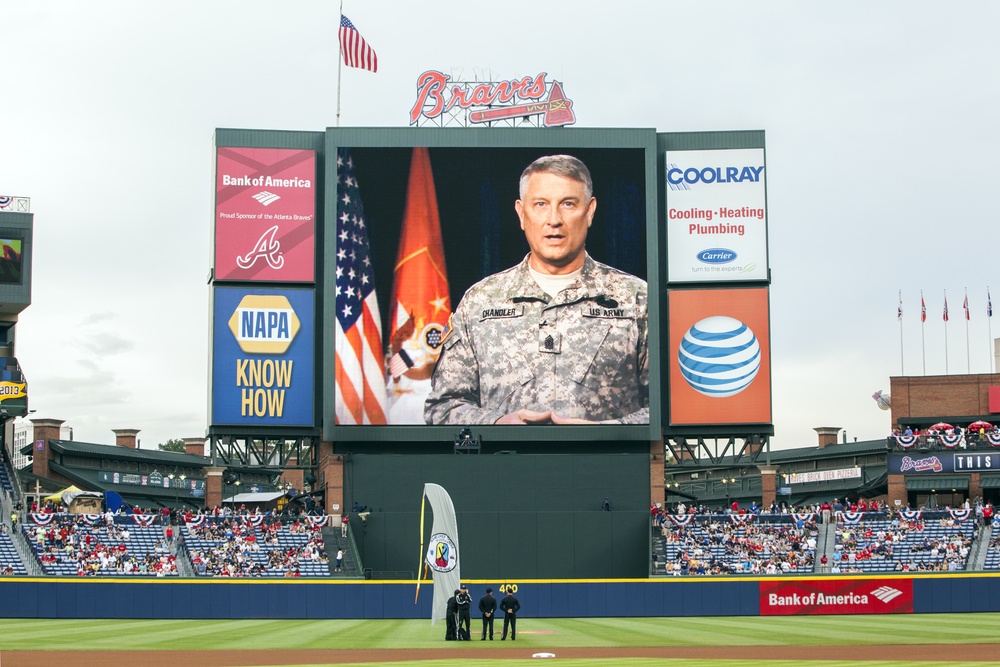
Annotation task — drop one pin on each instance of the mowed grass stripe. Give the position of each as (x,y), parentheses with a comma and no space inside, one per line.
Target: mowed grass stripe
(113,634)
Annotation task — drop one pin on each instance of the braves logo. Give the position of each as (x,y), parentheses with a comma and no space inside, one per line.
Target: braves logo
(267,248)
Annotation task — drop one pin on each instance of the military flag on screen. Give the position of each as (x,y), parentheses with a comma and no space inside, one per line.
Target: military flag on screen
(420,305)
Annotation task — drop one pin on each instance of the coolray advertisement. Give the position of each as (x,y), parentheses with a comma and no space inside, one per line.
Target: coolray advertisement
(265,214)
(263,355)
(719,348)
(439,320)
(716,215)
(836,596)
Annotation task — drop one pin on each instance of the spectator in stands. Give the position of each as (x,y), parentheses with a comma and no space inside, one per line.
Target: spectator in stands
(340,560)
(344,520)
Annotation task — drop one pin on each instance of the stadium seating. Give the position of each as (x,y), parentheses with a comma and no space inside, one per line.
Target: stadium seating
(926,541)
(241,546)
(85,545)
(720,544)
(10,560)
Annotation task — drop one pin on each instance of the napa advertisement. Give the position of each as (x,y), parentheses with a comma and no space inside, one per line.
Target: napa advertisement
(263,356)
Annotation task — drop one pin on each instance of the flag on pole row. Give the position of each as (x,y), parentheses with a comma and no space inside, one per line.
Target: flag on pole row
(923,307)
(945,315)
(899,309)
(354,48)
(989,304)
(359,392)
(965,305)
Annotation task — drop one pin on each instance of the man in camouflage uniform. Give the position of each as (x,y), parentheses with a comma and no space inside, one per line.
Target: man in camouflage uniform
(559,338)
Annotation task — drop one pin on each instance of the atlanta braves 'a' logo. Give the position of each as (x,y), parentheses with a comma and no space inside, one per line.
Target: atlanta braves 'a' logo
(267,248)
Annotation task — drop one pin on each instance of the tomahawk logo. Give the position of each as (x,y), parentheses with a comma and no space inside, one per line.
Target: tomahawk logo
(266,198)
(266,247)
(886,593)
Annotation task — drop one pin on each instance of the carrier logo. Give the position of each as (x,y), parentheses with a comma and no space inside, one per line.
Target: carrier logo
(679,178)
(442,553)
(264,324)
(266,198)
(267,248)
(716,256)
(886,593)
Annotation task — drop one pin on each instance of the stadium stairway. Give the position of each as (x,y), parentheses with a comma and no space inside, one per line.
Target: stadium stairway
(825,543)
(332,542)
(980,548)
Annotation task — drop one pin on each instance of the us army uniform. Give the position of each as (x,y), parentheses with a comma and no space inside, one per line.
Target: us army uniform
(509,345)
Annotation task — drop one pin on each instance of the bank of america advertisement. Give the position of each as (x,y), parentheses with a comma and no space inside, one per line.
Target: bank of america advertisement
(263,356)
(720,356)
(265,214)
(716,215)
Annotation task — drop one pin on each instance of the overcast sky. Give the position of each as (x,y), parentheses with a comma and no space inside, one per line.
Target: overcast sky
(882,147)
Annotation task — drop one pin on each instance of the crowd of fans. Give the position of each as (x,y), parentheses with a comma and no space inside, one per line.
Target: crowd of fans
(909,543)
(102,548)
(236,548)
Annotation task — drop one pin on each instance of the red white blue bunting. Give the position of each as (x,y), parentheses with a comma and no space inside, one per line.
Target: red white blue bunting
(254,520)
(196,521)
(852,518)
(317,521)
(803,516)
(952,441)
(994,438)
(144,520)
(682,520)
(906,441)
(910,515)
(42,518)
(960,515)
(92,519)
(740,519)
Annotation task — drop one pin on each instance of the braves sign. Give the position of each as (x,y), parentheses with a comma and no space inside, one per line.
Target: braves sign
(516,98)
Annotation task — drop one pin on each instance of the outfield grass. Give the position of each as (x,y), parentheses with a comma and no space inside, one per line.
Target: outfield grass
(874,636)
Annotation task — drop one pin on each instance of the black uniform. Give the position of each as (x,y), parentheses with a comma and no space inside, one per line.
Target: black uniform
(509,605)
(464,601)
(488,608)
(451,619)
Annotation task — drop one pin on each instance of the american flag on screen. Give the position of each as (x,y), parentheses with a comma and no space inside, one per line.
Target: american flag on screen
(354,48)
(360,395)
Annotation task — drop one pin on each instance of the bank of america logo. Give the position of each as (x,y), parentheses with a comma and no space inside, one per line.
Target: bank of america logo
(886,593)
(266,198)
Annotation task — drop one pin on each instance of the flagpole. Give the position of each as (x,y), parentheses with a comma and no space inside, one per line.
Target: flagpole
(340,58)
(423,504)
(923,318)
(946,332)
(899,318)
(968,353)
(989,329)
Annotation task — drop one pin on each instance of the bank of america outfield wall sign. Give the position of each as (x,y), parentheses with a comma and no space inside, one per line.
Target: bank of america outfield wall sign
(716,215)
(263,356)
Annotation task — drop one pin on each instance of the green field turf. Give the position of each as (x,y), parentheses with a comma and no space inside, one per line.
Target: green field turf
(874,635)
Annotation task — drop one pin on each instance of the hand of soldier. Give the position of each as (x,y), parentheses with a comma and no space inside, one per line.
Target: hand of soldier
(568,421)
(526,417)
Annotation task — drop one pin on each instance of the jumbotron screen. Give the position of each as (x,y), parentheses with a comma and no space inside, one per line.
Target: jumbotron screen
(495,280)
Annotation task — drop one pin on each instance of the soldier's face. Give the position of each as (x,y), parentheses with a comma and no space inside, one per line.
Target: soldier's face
(555,215)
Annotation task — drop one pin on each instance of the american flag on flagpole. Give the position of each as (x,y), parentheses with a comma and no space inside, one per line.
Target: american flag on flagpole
(923,308)
(360,396)
(355,49)
(965,305)
(945,308)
